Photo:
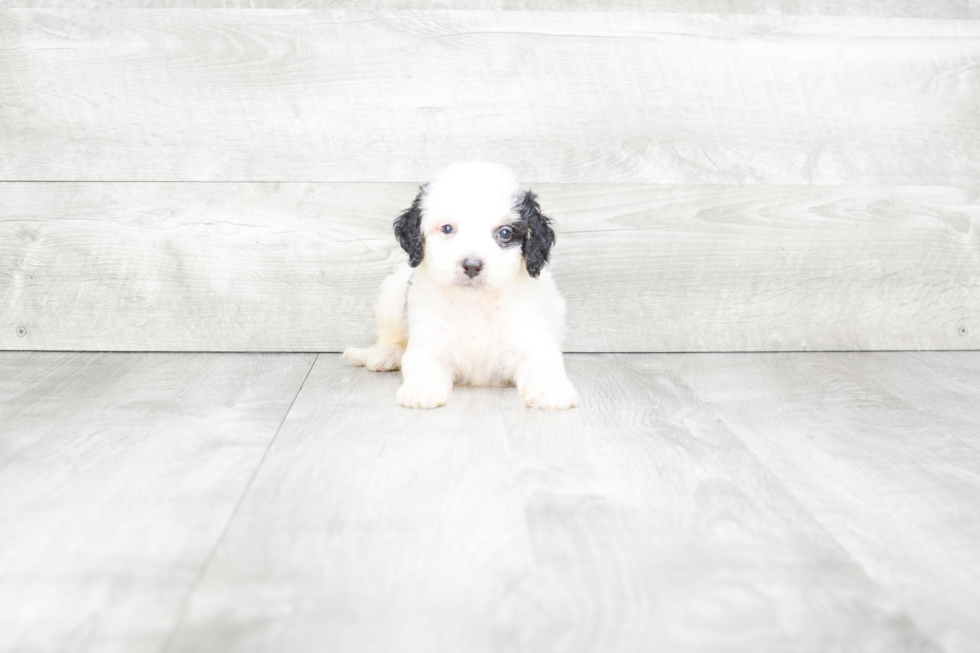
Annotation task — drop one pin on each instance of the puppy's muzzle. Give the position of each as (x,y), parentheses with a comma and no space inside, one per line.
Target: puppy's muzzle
(472,266)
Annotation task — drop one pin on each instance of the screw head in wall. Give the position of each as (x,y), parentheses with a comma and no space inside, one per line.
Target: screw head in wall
(21,331)
(964,331)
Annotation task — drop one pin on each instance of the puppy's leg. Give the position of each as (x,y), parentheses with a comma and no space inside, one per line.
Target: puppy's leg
(380,358)
(542,382)
(427,382)
(389,317)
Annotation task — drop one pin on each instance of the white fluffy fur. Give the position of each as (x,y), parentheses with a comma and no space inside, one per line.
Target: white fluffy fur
(441,327)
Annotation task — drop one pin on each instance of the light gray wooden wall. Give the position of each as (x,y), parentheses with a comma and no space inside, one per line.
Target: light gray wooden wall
(753,176)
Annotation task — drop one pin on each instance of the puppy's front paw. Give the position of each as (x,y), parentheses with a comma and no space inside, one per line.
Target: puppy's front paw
(414,395)
(549,392)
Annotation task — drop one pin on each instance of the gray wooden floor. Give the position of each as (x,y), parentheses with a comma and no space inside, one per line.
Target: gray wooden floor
(282,502)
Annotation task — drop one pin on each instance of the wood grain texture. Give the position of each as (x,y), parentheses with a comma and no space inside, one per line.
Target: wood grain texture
(637,522)
(371,527)
(297,267)
(592,97)
(118,474)
(884,8)
(884,451)
(695,502)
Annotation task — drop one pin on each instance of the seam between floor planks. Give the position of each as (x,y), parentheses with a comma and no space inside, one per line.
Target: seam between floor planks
(116,447)
(168,641)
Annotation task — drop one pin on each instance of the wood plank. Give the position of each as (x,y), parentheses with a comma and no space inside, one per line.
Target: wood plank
(193,266)
(884,450)
(371,527)
(591,97)
(637,522)
(296,267)
(34,388)
(118,474)
(889,8)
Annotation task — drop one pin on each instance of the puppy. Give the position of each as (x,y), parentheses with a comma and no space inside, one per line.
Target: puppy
(474,305)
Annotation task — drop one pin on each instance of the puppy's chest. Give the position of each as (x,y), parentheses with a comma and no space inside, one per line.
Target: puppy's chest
(470,331)
(479,322)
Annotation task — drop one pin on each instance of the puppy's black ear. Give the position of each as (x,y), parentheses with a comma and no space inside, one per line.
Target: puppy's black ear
(538,237)
(408,230)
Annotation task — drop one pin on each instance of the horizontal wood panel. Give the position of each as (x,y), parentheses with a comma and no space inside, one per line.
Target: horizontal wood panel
(890,8)
(297,266)
(365,95)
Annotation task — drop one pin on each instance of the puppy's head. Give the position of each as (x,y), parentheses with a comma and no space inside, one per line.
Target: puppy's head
(474,227)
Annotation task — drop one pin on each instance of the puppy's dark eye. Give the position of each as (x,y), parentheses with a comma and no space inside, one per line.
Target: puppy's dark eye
(447,229)
(504,234)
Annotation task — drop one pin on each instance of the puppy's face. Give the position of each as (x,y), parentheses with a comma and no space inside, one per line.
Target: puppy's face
(475,228)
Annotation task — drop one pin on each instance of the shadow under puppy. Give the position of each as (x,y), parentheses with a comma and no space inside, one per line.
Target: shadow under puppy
(474,305)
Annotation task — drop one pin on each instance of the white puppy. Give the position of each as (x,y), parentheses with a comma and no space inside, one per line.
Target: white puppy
(474,304)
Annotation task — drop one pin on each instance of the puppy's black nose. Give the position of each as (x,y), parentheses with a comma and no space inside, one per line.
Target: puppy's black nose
(472,266)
